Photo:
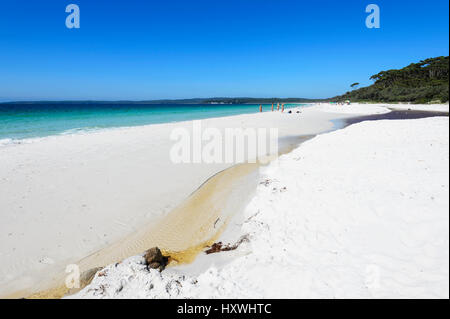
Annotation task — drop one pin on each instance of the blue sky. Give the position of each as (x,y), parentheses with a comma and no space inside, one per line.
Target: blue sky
(181,49)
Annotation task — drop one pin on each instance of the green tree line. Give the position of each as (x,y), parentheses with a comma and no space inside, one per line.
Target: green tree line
(420,82)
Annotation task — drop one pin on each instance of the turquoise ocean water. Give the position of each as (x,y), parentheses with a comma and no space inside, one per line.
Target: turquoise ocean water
(24,121)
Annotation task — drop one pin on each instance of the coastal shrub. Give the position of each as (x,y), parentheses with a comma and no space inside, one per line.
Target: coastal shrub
(420,82)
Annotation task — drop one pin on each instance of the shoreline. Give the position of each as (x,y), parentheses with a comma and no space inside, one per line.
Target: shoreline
(326,119)
(11,141)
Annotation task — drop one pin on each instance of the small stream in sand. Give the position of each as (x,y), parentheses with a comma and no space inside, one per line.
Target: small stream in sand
(185,231)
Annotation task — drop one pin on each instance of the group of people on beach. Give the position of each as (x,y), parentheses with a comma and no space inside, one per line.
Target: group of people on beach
(346,102)
(278,107)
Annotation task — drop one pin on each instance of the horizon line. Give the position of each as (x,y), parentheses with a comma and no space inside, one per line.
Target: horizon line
(209,99)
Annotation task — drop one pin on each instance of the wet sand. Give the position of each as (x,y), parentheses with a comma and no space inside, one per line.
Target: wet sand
(395,115)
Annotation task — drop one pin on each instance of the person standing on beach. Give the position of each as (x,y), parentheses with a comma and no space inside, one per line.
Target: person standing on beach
(260,108)
(272,106)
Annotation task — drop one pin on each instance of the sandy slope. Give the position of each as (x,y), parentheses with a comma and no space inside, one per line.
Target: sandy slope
(360,212)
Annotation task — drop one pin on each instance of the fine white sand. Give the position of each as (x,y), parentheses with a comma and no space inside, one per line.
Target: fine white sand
(444,107)
(65,197)
(354,108)
(422,107)
(378,108)
(360,212)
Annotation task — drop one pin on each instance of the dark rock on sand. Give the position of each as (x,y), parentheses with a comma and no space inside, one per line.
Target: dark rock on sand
(155,259)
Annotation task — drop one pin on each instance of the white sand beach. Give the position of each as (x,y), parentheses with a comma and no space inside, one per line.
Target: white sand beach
(64,198)
(360,212)
(214,152)
(422,107)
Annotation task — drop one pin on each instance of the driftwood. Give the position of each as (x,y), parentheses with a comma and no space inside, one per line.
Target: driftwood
(219,246)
